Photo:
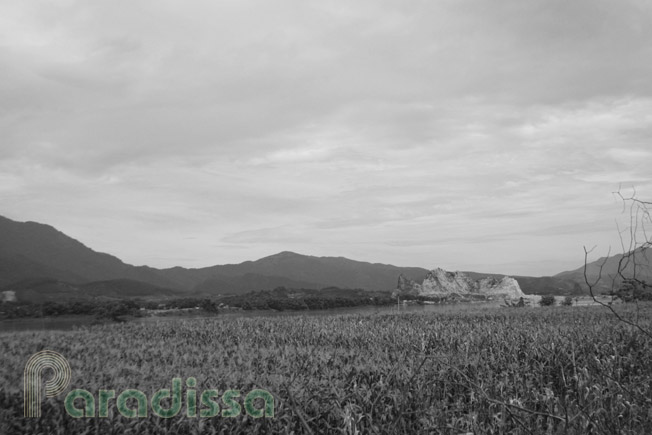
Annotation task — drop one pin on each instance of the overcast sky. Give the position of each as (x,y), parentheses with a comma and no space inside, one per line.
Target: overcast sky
(468,135)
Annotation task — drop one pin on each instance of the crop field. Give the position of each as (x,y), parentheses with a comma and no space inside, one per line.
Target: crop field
(575,370)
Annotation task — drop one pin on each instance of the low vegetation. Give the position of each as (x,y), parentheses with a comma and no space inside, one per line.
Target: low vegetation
(547,301)
(632,290)
(103,309)
(568,301)
(569,370)
(279,299)
(282,299)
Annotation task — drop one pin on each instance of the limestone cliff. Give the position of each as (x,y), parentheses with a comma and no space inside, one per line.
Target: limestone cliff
(441,283)
(408,286)
(505,286)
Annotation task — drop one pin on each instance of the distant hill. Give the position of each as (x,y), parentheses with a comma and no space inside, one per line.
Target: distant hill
(38,253)
(52,290)
(639,263)
(14,268)
(34,252)
(306,271)
(29,250)
(239,284)
(549,285)
(540,285)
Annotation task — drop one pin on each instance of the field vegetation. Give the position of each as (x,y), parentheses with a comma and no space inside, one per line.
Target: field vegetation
(279,299)
(544,370)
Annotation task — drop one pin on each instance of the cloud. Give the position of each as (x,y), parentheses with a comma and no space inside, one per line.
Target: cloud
(458,132)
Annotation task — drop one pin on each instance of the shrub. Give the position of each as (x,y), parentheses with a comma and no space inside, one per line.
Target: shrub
(632,290)
(547,301)
(208,306)
(568,301)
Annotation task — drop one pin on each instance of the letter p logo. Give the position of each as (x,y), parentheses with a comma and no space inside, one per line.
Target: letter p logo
(32,379)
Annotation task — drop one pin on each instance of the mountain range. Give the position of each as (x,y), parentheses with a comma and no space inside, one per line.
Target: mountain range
(37,256)
(606,273)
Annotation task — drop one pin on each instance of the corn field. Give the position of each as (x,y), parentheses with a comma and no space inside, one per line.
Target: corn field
(560,370)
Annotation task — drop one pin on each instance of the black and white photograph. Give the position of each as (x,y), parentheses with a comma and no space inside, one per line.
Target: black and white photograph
(325,217)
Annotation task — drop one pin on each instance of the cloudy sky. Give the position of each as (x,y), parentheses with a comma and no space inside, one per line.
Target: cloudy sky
(464,134)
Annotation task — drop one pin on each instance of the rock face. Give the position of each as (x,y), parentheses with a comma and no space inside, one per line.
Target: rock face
(9,296)
(408,286)
(505,286)
(441,283)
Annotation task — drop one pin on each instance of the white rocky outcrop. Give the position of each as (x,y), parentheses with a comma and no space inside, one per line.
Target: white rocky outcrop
(441,283)
(9,296)
(408,286)
(505,287)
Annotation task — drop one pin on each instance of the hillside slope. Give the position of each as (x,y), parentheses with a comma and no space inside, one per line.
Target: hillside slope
(639,263)
(29,250)
(318,272)
(53,290)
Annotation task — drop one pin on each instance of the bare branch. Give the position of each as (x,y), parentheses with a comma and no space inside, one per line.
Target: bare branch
(629,265)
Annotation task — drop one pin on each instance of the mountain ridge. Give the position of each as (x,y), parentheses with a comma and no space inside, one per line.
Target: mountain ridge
(31,250)
(637,262)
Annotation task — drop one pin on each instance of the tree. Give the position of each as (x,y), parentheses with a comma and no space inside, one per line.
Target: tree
(115,310)
(547,301)
(632,290)
(208,306)
(627,282)
(568,301)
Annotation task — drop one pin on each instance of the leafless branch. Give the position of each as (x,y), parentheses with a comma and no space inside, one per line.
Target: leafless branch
(629,264)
